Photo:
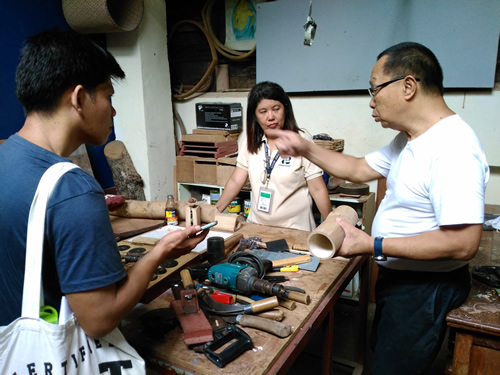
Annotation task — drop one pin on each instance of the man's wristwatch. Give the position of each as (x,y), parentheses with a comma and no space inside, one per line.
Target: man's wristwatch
(378,255)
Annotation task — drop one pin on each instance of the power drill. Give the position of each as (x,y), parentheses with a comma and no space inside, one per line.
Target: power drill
(244,279)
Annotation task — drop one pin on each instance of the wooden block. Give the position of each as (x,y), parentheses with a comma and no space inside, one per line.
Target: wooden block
(193,215)
(145,241)
(184,168)
(291,261)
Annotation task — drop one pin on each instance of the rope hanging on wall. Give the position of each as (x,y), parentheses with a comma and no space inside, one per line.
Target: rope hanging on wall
(215,46)
(211,68)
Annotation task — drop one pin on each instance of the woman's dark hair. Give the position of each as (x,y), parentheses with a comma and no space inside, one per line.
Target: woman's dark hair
(417,60)
(53,61)
(266,90)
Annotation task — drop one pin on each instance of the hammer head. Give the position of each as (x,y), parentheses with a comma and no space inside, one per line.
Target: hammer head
(189,301)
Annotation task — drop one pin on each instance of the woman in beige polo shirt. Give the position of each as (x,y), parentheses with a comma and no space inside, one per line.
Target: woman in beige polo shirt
(282,187)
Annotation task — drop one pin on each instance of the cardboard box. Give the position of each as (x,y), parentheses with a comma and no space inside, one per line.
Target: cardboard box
(225,168)
(219,116)
(184,168)
(352,289)
(205,171)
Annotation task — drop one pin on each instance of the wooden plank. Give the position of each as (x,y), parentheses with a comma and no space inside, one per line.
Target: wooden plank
(291,261)
(207,148)
(213,154)
(196,148)
(213,149)
(124,227)
(211,131)
(209,137)
(230,143)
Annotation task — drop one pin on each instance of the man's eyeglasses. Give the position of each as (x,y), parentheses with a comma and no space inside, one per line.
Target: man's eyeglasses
(375,89)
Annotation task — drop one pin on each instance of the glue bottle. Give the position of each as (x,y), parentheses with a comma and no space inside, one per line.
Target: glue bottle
(171,211)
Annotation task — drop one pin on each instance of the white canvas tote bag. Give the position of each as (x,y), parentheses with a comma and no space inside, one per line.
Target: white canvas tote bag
(31,345)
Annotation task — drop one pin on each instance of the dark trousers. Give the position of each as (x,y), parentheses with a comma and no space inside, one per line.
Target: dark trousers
(410,318)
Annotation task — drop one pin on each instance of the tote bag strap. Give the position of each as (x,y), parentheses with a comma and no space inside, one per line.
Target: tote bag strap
(35,238)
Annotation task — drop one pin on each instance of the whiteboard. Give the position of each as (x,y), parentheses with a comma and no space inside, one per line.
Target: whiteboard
(351,33)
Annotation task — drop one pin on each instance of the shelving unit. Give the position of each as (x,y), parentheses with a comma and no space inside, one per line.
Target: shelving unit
(186,190)
(364,206)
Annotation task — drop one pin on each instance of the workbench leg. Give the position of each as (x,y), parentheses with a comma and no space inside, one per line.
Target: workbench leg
(462,352)
(364,282)
(328,343)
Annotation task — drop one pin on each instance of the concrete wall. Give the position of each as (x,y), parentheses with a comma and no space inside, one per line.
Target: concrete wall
(144,120)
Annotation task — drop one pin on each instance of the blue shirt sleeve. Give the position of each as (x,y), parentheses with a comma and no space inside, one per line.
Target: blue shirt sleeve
(80,234)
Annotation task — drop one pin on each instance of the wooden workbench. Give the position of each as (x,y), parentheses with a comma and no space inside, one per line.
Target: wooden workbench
(271,355)
(477,321)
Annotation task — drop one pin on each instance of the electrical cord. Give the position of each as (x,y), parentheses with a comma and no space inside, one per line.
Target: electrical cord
(204,81)
(251,260)
(215,46)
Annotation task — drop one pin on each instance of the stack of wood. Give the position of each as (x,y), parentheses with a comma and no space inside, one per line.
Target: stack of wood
(209,143)
(333,144)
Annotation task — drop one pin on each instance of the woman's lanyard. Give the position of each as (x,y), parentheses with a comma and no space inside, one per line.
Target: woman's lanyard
(266,176)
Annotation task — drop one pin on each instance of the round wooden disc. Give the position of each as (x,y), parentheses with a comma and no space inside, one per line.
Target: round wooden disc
(354,189)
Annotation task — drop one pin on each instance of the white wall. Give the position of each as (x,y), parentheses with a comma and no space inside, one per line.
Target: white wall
(144,120)
(348,117)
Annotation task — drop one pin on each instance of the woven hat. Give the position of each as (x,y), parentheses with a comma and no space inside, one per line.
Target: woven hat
(103,16)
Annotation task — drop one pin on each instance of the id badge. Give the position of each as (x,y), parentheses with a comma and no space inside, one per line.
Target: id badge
(265,201)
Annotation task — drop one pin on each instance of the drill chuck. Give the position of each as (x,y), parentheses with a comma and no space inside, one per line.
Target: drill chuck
(268,288)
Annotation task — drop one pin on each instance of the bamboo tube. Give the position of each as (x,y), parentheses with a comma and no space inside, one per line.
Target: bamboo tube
(141,209)
(324,241)
(288,304)
(156,210)
(228,222)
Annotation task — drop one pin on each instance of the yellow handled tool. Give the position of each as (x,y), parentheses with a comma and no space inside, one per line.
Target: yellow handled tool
(292,268)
